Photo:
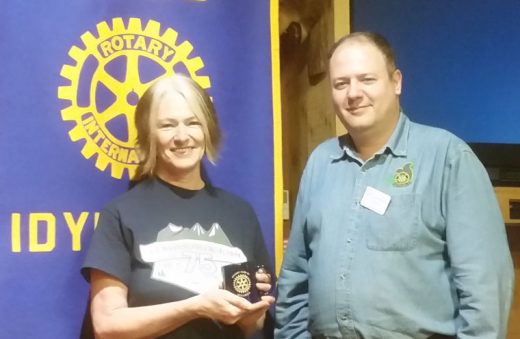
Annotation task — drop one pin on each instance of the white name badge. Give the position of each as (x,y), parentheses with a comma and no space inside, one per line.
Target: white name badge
(375,200)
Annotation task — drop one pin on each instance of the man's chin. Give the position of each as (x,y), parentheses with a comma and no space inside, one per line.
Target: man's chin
(358,127)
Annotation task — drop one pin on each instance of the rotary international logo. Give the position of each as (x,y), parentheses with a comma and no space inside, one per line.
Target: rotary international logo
(106,80)
(242,283)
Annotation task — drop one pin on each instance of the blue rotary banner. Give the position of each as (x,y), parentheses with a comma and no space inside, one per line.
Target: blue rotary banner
(72,74)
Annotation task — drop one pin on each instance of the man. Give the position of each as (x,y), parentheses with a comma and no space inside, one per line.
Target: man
(397,232)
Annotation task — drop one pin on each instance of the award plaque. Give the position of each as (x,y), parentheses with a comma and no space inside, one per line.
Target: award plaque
(240,280)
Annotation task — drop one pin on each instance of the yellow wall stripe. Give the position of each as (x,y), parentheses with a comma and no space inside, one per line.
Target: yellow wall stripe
(277,136)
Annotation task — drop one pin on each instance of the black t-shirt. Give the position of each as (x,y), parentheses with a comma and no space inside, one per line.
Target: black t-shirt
(167,244)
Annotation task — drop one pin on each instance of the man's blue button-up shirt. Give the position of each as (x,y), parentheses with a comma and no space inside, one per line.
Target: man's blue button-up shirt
(436,261)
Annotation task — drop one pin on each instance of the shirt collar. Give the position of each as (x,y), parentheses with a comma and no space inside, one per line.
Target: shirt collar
(344,146)
(397,144)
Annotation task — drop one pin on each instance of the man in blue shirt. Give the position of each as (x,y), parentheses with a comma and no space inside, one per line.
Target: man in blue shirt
(397,232)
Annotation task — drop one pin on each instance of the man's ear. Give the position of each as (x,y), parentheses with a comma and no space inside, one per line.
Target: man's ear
(397,78)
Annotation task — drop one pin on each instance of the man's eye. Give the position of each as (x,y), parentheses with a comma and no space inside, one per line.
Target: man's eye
(369,80)
(194,123)
(340,84)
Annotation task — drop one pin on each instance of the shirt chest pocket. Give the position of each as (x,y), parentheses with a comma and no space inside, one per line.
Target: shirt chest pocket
(398,228)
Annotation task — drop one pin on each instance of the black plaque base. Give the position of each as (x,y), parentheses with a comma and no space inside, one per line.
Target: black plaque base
(240,280)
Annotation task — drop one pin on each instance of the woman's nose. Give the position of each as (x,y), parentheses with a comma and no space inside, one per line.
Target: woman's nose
(180,133)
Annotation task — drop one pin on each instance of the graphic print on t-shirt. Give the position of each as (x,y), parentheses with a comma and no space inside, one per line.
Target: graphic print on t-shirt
(191,257)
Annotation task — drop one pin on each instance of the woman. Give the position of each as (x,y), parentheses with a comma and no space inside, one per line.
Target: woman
(154,260)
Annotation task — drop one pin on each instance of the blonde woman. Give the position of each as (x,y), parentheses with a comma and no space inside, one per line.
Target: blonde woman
(154,260)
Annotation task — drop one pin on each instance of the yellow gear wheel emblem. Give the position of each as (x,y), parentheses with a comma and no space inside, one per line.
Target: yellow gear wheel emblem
(109,77)
(242,283)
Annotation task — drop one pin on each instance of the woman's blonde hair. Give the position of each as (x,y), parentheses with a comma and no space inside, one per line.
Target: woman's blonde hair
(146,113)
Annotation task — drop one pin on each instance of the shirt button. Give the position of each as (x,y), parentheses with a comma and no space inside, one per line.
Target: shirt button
(349,240)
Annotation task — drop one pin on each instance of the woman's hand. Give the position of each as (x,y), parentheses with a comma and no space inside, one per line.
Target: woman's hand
(228,308)
(263,281)
(223,306)
(254,319)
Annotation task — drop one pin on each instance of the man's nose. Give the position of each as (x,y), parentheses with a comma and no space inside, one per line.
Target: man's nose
(353,90)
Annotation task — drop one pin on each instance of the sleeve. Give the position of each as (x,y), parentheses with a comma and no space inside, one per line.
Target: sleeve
(478,250)
(291,311)
(109,248)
